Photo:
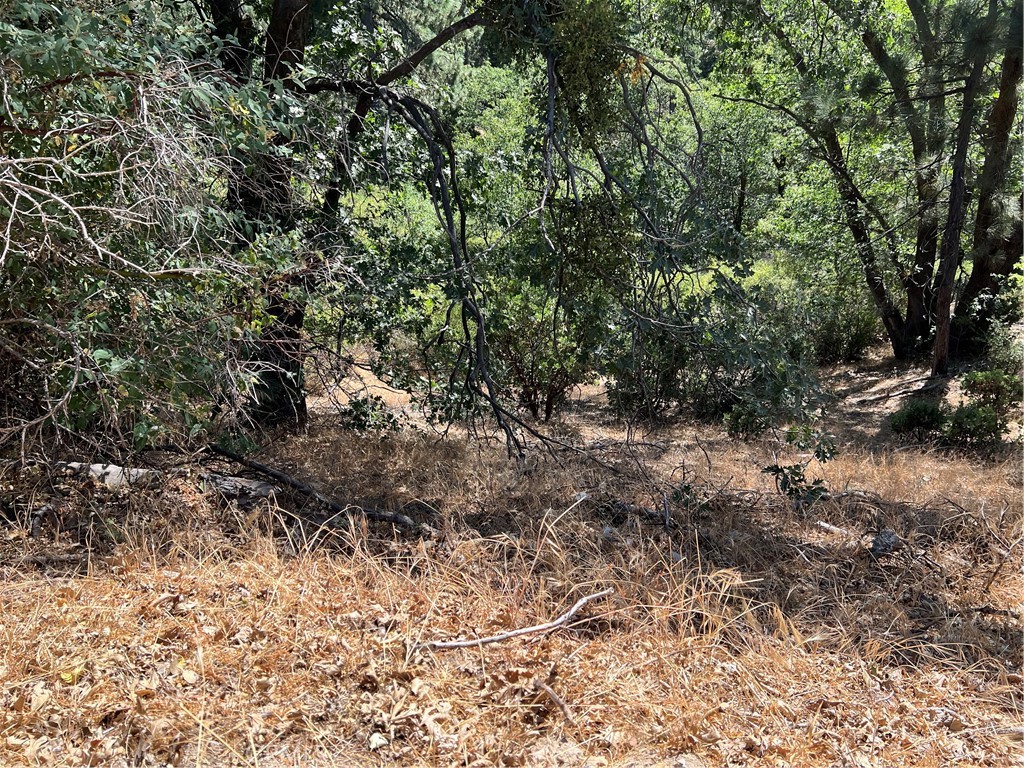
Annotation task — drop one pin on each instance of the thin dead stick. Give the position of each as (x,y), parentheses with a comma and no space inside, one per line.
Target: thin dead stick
(1002,562)
(542,686)
(435,645)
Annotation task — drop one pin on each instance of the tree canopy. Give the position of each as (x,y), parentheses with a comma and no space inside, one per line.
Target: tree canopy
(203,204)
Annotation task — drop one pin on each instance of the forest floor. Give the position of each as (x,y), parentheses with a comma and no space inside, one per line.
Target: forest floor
(159,626)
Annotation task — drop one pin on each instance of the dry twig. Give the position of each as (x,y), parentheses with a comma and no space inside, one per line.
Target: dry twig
(436,645)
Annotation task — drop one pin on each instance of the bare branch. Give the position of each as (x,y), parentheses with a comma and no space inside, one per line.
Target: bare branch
(439,645)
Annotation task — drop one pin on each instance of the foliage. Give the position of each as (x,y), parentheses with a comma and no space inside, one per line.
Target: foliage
(992,398)
(117,285)
(721,356)
(1005,351)
(816,289)
(538,356)
(996,389)
(973,425)
(919,419)
(870,113)
(581,40)
(368,413)
(527,207)
(791,479)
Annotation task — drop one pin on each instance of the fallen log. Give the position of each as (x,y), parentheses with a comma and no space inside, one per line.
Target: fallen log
(395,518)
(111,475)
(246,492)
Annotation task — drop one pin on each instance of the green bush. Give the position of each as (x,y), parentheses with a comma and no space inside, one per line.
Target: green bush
(791,480)
(973,425)
(645,379)
(981,420)
(991,399)
(369,414)
(919,419)
(996,389)
(721,357)
(1005,351)
(122,300)
(817,292)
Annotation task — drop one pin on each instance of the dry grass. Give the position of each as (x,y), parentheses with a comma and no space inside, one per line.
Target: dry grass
(743,633)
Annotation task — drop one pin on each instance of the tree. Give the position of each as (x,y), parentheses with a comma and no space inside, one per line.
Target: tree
(297,115)
(905,91)
(526,28)
(111,132)
(998,238)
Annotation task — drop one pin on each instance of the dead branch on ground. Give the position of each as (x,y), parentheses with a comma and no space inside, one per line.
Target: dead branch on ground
(436,645)
(395,518)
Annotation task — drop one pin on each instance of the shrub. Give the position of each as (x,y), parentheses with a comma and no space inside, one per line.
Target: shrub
(1005,351)
(716,351)
(747,420)
(539,352)
(974,424)
(791,480)
(980,420)
(369,414)
(817,292)
(919,419)
(992,397)
(996,389)
(645,380)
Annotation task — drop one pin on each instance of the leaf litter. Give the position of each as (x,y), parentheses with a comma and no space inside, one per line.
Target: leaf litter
(743,634)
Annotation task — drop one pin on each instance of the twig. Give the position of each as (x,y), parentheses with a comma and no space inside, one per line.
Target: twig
(1002,562)
(435,645)
(542,686)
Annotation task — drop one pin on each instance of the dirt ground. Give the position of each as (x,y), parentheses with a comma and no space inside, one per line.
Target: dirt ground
(879,625)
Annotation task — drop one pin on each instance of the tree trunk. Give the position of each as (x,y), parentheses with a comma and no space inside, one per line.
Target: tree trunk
(950,255)
(893,322)
(280,397)
(923,125)
(280,393)
(266,199)
(737,217)
(266,195)
(994,252)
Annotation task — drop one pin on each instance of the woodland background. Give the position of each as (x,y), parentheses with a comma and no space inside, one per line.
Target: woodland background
(330,332)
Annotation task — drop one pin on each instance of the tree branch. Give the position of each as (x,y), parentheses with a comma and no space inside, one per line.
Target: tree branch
(395,518)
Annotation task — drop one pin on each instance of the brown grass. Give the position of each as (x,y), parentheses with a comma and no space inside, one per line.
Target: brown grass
(742,634)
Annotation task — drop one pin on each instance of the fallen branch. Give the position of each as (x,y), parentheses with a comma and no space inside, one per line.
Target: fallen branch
(1002,562)
(547,689)
(901,392)
(435,645)
(395,518)
(46,560)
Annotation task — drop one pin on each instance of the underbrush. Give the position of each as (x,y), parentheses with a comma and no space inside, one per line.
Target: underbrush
(154,627)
